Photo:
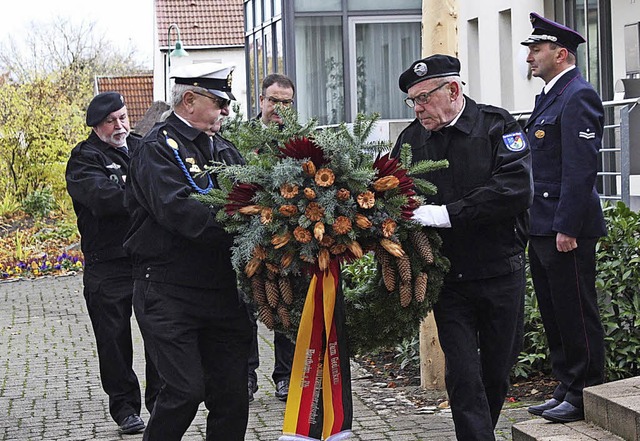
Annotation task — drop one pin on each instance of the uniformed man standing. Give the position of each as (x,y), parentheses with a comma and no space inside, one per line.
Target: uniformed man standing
(185,291)
(96,175)
(480,211)
(565,134)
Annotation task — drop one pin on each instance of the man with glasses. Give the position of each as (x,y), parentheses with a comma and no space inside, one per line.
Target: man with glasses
(96,176)
(185,291)
(480,211)
(277,89)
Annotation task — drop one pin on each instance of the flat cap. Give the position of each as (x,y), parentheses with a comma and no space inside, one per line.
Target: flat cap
(545,30)
(214,77)
(102,105)
(434,66)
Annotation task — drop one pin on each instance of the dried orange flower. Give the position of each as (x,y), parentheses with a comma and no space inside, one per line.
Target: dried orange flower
(302,235)
(338,248)
(273,268)
(363,221)
(309,193)
(309,168)
(288,191)
(388,227)
(356,249)
(314,211)
(323,259)
(325,177)
(288,210)
(366,199)
(318,231)
(286,259)
(327,241)
(386,183)
(266,215)
(393,248)
(342,225)
(259,252)
(250,209)
(252,266)
(280,240)
(343,194)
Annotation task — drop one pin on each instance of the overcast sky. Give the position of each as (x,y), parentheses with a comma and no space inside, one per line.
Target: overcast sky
(128,23)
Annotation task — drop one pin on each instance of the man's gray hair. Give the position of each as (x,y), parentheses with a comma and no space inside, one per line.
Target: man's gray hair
(178,91)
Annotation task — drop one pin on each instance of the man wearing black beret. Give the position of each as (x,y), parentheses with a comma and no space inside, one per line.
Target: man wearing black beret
(565,133)
(96,175)
(480,211)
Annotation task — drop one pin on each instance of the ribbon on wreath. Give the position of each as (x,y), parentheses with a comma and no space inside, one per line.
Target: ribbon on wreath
(319,405)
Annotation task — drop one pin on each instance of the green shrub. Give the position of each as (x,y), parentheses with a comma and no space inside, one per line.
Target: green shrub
(39,203)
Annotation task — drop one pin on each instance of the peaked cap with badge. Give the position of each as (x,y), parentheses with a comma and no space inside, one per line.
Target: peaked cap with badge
(545,30)
(214,77)
(434,66)
(102,105)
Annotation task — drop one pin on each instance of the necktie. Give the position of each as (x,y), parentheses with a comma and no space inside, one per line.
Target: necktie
(124,149)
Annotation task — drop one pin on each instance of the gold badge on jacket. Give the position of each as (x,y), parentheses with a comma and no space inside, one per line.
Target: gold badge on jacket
(540,134)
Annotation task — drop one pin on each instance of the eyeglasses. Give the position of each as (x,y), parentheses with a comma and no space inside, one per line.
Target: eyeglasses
(273,100)
(221,102)
(423,98)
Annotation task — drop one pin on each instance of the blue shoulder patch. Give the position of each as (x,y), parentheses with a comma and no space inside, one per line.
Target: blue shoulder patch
(515,141)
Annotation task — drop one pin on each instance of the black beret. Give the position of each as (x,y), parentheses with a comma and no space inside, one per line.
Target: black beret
(102,105)
(434,66)
(545,30)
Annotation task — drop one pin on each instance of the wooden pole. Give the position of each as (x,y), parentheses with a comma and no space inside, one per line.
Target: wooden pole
(439,36)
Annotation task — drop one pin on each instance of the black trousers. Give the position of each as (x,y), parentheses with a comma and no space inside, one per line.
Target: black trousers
(199,341)
(283,352)
(108,292)
(566,292)
(480,326)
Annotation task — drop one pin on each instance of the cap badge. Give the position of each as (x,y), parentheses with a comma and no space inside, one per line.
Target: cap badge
(229,80)
(420,69)
(539,134)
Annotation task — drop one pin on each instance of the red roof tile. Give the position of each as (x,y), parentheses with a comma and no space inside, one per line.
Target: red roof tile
(201,22)
(136,89)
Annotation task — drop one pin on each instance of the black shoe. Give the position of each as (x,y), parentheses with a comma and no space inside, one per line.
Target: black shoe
(282,390)
(564,412)
(537,410)
(252,389)
(131,424)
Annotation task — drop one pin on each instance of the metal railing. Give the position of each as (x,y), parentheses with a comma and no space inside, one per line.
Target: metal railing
(615,154)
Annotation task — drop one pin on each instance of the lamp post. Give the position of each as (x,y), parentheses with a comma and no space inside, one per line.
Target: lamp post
(178,51)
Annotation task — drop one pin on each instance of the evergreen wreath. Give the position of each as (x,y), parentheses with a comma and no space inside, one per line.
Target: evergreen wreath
(307,196)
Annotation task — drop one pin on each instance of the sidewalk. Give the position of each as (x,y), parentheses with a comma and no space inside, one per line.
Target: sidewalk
(50,389)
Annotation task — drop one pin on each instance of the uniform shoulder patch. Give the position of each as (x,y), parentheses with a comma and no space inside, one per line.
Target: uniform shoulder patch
(514,141)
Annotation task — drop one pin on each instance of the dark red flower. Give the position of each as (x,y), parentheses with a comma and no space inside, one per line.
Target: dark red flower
(240,196)
(304,148)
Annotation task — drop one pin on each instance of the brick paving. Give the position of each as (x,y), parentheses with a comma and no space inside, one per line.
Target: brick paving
(50,389)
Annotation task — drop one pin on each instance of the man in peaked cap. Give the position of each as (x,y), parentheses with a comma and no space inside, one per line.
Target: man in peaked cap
(480,211)
(96,175)
(565,133)
(185,289)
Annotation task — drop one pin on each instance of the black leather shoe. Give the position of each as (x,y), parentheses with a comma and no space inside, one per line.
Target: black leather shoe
(537,410)
(131,424)
(282,390)
(252,388)
(564,412)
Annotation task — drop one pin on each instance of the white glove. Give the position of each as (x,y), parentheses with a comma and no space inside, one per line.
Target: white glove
(432,216)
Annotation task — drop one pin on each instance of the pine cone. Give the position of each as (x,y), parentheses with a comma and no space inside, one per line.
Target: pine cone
(283,313)
(405,294)
(423,246)
(273,293)
(388,268)
(420,288)
(286,259)
(266,316)
(258,290)
(404,269)
(285,290)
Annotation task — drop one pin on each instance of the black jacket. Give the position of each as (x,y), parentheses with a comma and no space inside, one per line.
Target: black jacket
(96,174)
(487,189)
(175,238)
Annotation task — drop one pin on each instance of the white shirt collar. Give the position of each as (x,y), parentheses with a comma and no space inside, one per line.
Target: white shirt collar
(554,80)
(455,120)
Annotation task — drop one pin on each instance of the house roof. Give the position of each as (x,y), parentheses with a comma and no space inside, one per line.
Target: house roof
(136,89)
(201,22)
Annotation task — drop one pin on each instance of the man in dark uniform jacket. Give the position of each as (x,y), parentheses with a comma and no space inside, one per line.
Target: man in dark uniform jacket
(276,89)
(480,211)
(185,291)
(565,133)
(96,175)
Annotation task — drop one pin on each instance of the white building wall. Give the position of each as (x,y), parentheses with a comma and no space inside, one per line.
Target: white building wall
(623,12)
